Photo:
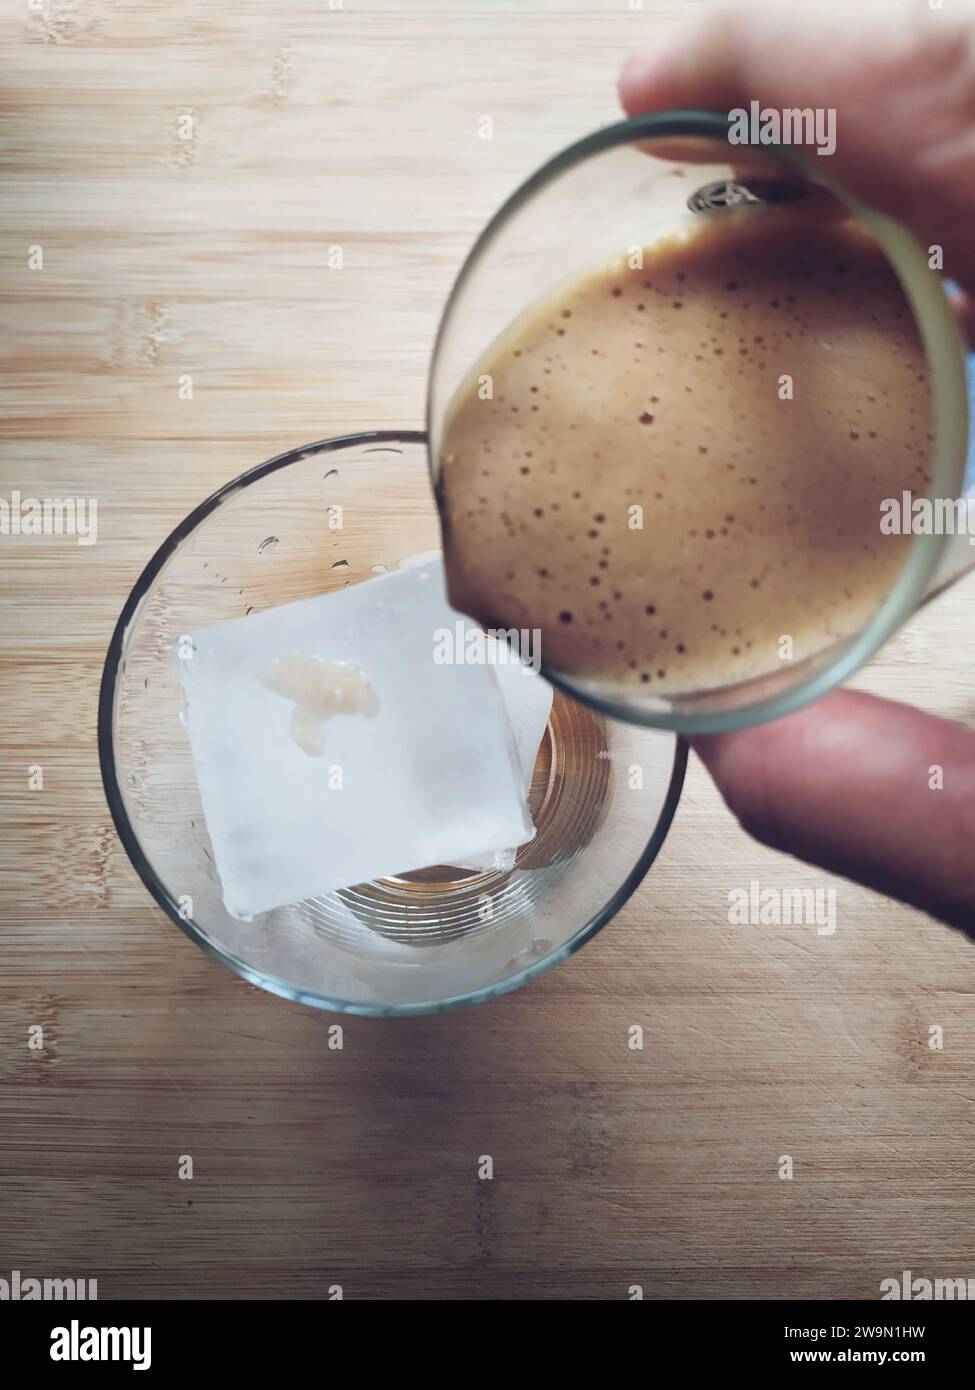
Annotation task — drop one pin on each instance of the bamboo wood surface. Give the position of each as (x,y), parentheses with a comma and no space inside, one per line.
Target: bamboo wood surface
(357,126)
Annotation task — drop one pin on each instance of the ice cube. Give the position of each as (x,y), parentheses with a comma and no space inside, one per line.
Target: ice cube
(528,702)
(331,747)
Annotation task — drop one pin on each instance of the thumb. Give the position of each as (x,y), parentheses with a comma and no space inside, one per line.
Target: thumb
(900,75)
(866,788)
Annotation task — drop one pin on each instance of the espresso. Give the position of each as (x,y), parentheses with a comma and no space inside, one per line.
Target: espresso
(670,469)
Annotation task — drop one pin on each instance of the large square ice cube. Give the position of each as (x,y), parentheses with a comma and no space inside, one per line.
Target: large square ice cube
(301,797)
(528,703)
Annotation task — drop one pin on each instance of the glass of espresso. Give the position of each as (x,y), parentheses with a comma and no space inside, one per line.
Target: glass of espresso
(684,397)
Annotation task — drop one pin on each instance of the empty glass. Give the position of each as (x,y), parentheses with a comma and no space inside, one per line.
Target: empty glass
(602,794)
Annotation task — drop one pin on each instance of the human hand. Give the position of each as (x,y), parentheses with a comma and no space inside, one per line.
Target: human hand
(847,783)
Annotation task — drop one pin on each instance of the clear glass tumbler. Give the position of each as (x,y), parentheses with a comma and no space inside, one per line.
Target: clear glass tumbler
(602,795)
(624,186)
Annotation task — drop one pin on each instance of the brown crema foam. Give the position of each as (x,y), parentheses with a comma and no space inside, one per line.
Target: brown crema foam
(639,484)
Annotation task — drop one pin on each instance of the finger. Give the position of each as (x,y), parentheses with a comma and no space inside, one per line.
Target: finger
(964,307)
(876,791)
(900,75)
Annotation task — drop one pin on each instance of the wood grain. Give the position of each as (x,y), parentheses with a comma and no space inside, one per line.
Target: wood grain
(312,1166)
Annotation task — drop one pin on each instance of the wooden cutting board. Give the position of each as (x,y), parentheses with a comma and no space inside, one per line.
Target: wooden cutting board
(316,125)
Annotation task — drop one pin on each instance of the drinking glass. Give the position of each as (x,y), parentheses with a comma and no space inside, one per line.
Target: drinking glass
(623,187)
(602,794)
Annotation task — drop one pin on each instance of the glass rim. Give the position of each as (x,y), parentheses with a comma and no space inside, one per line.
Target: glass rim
(945,355)
(139,860)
